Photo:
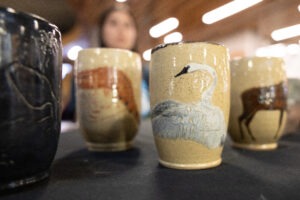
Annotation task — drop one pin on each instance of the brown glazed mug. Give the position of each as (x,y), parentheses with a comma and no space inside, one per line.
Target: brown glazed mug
(108,97)
(258,102)
(189,96)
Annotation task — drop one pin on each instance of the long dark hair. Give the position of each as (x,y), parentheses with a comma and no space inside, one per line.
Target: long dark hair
(105,15)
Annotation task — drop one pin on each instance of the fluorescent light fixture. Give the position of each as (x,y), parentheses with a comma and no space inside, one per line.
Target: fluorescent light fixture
(121,1)
(164,27)
(227,10)
(293,49)
(73,52)
(285,33)
(278,50)
(147,55)
(173,37)
(275,50)
(299,8)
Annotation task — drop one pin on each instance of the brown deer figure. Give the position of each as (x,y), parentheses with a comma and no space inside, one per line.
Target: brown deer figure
(272,97)
(104,78)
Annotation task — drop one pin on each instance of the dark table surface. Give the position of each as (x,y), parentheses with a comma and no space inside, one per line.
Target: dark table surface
(135,174)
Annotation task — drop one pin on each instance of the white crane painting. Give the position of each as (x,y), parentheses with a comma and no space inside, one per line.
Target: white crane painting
(201,121)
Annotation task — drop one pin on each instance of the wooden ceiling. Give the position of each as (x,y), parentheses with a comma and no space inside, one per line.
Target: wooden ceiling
(262,18)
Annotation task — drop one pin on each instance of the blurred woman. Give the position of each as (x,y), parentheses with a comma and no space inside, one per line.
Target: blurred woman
(118,29)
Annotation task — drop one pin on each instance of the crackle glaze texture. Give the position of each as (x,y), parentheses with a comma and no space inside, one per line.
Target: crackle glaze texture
(108,97)
(258,102)
(189,87)
(30,83)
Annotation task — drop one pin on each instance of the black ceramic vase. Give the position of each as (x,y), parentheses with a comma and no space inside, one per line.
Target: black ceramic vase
(30,82)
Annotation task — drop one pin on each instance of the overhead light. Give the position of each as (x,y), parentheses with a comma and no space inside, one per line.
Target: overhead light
(173,37)
(299,8)
(121,1)
(73,52)
(275,50)
(164,27)
(278,50)
(147,55)
(227,10)
(293,49)
(285,33)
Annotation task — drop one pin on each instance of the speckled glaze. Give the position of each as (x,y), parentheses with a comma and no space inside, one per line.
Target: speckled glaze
(30,93)
(258,102)
(108,97)
(189,87)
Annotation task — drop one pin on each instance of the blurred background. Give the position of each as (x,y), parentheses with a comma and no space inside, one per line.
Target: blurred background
(246,33)
(247,27)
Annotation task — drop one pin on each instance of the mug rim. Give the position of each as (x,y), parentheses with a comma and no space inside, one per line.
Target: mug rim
(98,49)
(163,45)
(245,58)
(27,16)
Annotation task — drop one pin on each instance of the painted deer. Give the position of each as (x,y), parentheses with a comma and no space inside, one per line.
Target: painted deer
(272,97)
(103,77)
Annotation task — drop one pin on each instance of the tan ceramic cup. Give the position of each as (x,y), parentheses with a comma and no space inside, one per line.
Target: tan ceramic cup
(189,90)
(258,102)
(108,97)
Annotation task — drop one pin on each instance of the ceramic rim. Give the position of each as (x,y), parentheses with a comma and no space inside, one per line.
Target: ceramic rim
(191,166)
(24,181)
(256,147)
(118,146)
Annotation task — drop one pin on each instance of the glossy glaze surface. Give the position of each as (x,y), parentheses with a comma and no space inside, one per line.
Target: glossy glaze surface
(30,82)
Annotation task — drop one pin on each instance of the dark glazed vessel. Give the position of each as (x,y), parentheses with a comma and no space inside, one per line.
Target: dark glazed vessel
(30,82)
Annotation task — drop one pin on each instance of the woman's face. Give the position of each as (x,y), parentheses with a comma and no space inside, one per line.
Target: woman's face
(119,30)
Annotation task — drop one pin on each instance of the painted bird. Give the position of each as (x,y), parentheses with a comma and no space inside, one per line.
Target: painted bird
(201,121)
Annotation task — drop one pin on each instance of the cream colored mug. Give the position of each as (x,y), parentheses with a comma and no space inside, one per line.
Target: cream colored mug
(108,97)
(189,94)
(258,102)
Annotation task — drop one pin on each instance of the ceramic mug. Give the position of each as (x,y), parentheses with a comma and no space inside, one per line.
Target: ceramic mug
(30,83)
(258,102)
(189,95)
(108,97)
